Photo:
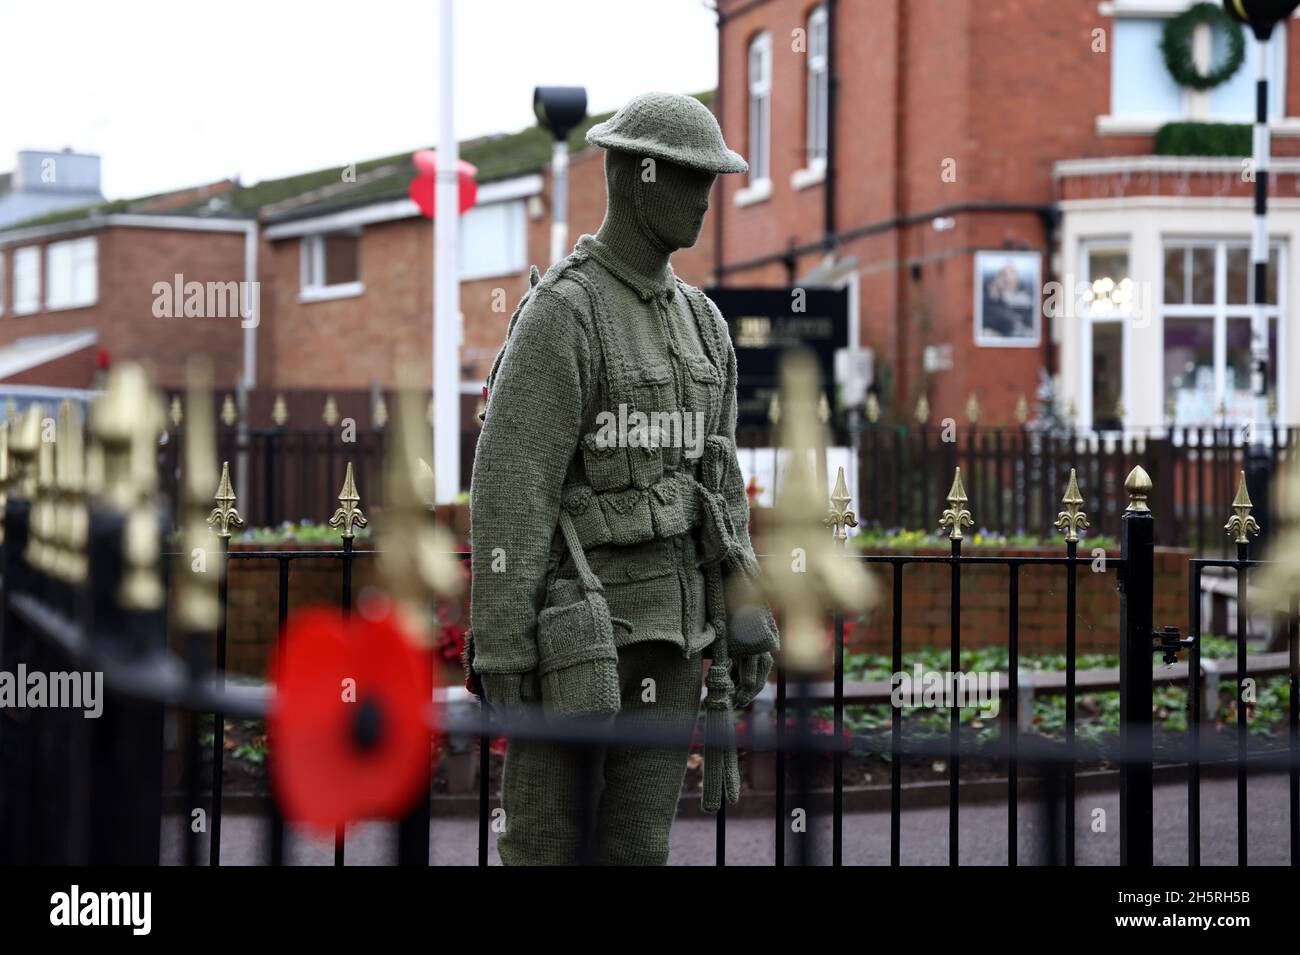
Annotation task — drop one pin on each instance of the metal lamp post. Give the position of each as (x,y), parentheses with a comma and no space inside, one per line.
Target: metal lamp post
(1260,16)
(559,109)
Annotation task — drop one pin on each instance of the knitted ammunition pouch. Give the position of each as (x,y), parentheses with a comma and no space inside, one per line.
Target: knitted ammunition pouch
(577,658)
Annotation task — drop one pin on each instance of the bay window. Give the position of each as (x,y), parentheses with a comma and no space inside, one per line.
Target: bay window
(1208,290)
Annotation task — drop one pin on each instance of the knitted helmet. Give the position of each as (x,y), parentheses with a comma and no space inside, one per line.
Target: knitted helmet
(667,126)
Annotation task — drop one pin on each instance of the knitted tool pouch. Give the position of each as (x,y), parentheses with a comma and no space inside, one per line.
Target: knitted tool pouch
(577,658)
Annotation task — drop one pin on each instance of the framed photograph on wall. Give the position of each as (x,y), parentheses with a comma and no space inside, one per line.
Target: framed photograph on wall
(1008,298)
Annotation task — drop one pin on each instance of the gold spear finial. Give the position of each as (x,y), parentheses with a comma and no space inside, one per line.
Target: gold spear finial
(973,408)
(125,423)
(1241,523)
(811,574)
(922,409)
(229,414)
(198,569)
(24,441)
(40,538)
(175,412)
(1022,409)
(71,519)
(330,413)
(774,409)
(1072,519)
(381,412)
(224,516)
(839,516)
(415,552)
(1138,484)
(279,411)
(873,407)
(956,516)
(349,514)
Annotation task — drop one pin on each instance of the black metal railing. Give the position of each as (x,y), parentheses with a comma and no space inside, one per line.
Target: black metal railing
(76,790)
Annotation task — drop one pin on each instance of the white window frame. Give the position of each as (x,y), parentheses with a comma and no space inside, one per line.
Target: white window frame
(1086,321)
(759,111)
(311,265)
(816,107)
(3,260)
(78,259)
(1196,103)
(1219,312)
(30,304)
(517,237)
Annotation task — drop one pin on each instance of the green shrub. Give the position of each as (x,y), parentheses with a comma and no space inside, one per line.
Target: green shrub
(1203,139)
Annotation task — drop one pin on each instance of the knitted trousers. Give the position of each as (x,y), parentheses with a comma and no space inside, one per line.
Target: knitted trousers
(612,805)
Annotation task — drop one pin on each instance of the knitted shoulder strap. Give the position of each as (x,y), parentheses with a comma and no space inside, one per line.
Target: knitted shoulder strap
(709,331)
(616,367)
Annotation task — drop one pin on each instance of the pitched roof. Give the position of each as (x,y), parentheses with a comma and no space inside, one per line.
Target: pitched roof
(499,156)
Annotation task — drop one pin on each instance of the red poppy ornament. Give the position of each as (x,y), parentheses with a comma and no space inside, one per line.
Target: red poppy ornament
(349,727)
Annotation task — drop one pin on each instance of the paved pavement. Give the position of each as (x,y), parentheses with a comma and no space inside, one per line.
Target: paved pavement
(983,834)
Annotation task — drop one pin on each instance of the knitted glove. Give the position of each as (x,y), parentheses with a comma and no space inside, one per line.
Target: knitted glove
(512,695)
(751,677)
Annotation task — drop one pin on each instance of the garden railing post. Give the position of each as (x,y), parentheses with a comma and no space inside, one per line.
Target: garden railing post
(1137,546)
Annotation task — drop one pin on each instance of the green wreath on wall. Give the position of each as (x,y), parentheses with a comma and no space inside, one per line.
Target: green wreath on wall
(1176,46)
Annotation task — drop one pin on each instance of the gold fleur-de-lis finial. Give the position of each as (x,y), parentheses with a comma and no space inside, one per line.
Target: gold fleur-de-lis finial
(821,576)
(1241,523)
(873,408)
(1072,519)
(349,513)
(973,408)
(840,516)
(279,411)
(196,603)
(176,413)
(1022,409)
(956,516)
(229,415)
(381,412)
(774,409)
(922,409)
(1138,484)
(224,516)
(330,413)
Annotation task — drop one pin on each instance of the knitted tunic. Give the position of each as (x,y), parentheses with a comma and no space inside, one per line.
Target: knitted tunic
(592,336)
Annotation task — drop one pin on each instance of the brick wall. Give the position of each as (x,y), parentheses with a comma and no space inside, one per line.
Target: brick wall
(985,619)
(1004,90)
(130,261)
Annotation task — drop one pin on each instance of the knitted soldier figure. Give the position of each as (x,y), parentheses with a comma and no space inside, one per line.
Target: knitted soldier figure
(608,512)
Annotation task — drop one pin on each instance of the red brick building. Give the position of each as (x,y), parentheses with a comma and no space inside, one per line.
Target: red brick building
(898,145)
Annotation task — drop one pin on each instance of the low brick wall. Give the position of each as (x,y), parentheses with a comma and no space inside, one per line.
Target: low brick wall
(254,602)
(985,617)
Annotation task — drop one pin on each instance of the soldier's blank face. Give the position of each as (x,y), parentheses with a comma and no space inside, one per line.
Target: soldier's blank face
(680,219)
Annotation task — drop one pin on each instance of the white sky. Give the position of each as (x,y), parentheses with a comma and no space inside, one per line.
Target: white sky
(174,93)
